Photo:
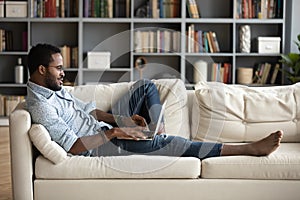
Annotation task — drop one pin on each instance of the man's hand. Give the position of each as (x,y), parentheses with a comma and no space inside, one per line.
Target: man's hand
(134,133)
(133,121)
(93,141)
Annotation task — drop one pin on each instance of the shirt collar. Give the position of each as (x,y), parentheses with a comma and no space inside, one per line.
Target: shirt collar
(47,93)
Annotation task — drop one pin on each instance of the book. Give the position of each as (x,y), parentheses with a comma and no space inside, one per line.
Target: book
(138,41)
(2,40)
(74,57)
(210,43)
(274,74)
(65,52)
(2,105)
(1,8)
(154,8)
(192,9)
(266,72)
(50,8)
(215,42)
(227,73)
(128,8)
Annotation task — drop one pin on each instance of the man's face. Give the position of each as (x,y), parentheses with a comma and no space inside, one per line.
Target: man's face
(54,73)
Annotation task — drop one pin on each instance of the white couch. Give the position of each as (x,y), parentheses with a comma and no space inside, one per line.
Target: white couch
(212,112)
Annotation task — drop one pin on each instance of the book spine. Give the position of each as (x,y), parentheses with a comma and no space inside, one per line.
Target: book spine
(274,75)
(215,42)
(210,42)
(86,8)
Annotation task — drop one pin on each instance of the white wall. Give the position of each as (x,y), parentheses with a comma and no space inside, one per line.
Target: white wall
(295,25)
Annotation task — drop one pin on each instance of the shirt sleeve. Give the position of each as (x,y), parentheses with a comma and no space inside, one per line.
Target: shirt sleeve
(59,131)
(87,107)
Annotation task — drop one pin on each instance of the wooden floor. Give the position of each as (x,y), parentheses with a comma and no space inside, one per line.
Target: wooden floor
(5,171)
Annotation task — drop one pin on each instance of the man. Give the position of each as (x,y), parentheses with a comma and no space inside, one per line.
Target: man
(81,129)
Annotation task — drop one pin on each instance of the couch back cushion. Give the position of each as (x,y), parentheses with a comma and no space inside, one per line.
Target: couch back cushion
(236,113)
(172,90)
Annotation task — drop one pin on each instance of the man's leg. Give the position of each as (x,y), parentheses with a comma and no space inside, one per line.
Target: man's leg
(262,147)
(142,99)
(176,146)
(162,145)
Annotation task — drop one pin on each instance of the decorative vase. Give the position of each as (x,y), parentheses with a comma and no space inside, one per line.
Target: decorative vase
(200,71)
(245,39)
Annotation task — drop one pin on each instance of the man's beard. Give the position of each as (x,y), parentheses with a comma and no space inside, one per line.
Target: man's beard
(51,83)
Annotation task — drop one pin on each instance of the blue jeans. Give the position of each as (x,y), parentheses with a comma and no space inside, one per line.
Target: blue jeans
(143,99)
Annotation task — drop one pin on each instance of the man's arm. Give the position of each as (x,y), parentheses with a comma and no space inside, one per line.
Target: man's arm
(103,116)
(121,121)
(91,142)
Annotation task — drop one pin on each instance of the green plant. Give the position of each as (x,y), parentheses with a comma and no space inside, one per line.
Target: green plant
(292,60)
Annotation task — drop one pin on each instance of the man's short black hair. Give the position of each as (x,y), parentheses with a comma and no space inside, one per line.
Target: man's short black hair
(41,54)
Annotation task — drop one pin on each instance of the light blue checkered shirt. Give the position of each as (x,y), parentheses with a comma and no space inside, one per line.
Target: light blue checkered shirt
(64,116)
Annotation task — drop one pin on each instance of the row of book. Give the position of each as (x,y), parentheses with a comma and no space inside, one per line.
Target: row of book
(156,41)
(163,8)
(266,73)
(221,72)
(70,56)
(261,9)
(54,8)
(106,8)
(192,9)
(9,103)
(6,40)
(199,41)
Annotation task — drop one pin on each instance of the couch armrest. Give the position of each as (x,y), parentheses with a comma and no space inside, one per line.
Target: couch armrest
(21,155)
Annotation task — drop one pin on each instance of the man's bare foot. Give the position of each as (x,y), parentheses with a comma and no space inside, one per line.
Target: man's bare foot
(262,147)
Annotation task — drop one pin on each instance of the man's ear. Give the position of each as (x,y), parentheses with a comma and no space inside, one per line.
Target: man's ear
(42,70)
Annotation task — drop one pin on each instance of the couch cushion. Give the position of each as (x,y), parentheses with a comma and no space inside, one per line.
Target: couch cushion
(172,90)
(136,166)
(48,148)
(284,163)
(236,113)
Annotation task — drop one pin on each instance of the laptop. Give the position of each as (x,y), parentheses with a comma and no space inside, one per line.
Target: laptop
(151,134)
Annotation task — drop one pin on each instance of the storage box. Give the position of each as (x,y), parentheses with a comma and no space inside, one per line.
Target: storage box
(98,60)
(16,9)
(269,44)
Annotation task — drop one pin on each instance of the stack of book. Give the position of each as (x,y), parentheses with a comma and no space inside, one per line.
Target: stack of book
(266,73)
(54,8)
(201,41)
(261,9)
(221,72)
(9,103)
(70,56)
(156,41)
(106,8)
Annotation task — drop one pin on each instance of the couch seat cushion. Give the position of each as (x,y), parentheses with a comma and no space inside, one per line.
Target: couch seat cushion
(136,166)
(284,163)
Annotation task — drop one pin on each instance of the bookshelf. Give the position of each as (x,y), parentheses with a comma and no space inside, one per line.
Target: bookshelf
(116,33)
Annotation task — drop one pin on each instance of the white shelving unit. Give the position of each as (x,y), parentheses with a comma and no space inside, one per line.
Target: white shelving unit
(117,36)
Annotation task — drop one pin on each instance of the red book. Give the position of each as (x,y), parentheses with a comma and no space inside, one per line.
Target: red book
(227,73)
(50,8)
